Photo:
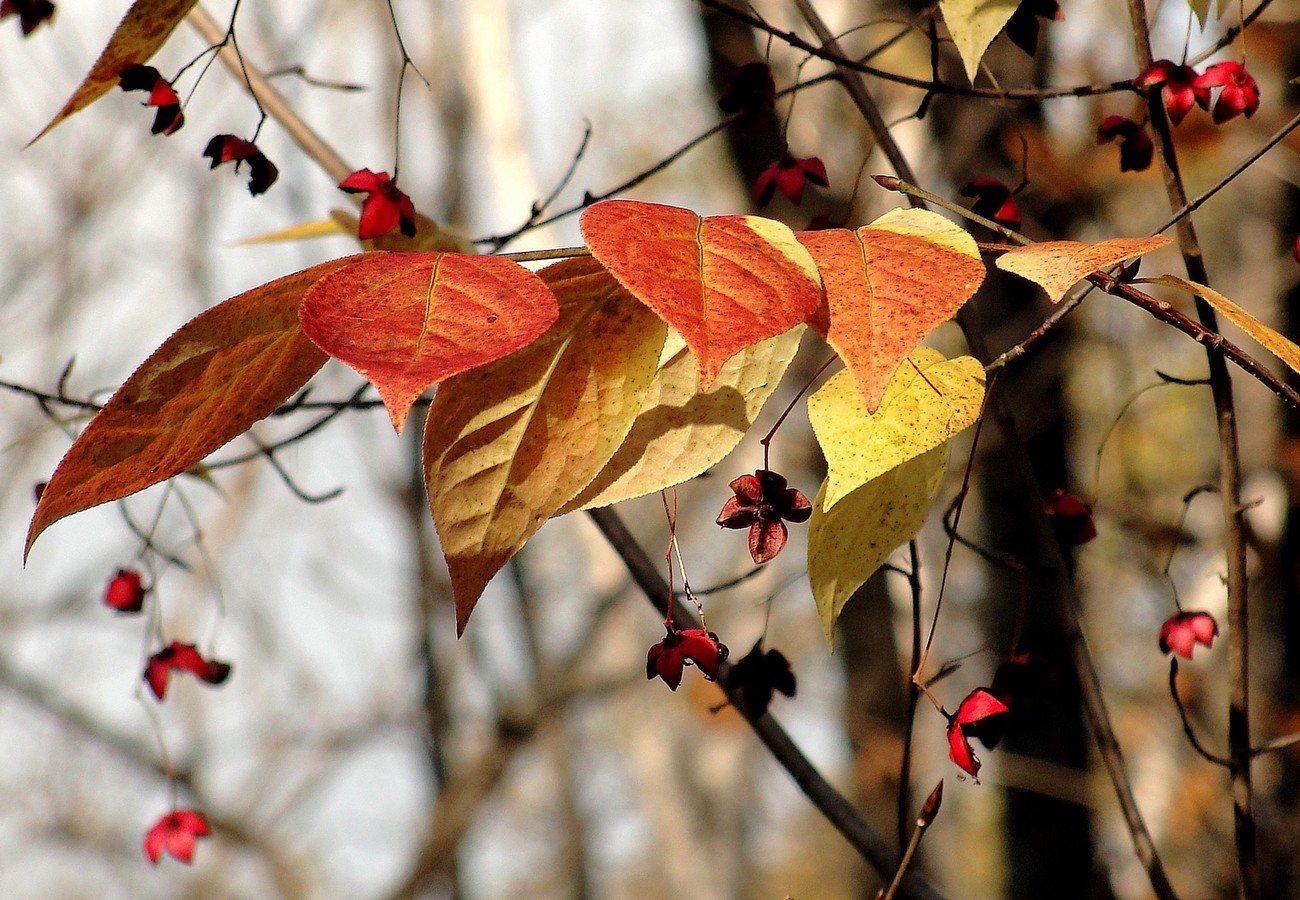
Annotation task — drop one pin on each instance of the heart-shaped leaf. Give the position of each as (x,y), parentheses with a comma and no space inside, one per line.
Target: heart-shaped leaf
(929,400)
(973,25)
(723,282)
(849,541)
(406,321)
(888,285)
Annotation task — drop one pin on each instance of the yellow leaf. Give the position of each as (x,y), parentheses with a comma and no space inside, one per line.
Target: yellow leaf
(928,400)
(973,25)
(680,432)
(1266,337)
(305,231)
(1202,8)
(1056,266)
(849,541)
(509,443)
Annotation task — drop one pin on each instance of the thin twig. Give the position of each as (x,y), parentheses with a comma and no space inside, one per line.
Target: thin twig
(1239,747)
(833,54)
(1187,724)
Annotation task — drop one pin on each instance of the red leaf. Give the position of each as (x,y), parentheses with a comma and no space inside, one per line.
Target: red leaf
(406,321)
(888,285)
(206,385)
(724,282)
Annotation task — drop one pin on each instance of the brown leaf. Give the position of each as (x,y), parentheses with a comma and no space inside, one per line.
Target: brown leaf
(145,28)
(508,444)
(206,385)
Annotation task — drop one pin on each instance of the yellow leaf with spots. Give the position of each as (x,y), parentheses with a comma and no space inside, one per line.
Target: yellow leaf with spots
(509,443)
(681,431)
(723,282)
(928,400)
(849,541)
(1056,266)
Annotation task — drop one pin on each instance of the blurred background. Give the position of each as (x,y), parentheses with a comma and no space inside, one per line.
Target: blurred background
(361,750)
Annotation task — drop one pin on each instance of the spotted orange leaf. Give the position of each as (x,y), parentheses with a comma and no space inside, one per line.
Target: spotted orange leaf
(206,385)
(1056,266)
(723,282)
(406,321)
(145,27)
(888,285)
(508,444)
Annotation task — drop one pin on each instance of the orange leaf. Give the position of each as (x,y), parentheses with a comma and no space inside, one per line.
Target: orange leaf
(724,282)
(206,385)
(888,285)
(145,27)
(508,444)
(1057,266)
(408,320)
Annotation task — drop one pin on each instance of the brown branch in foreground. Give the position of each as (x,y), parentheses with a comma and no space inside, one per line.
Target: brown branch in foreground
(1031,498)
(1234,523)
(830,802)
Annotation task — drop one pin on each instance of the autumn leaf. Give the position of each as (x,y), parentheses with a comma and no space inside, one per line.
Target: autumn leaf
(406,321)
(303,232)
(850,540)
(1204,8)
(682,431)
(206,385)
(145,27)
(888,285)
(1056,266)
(1266,337)
(973,25)
(928,400)
(508,444)
(723,282)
